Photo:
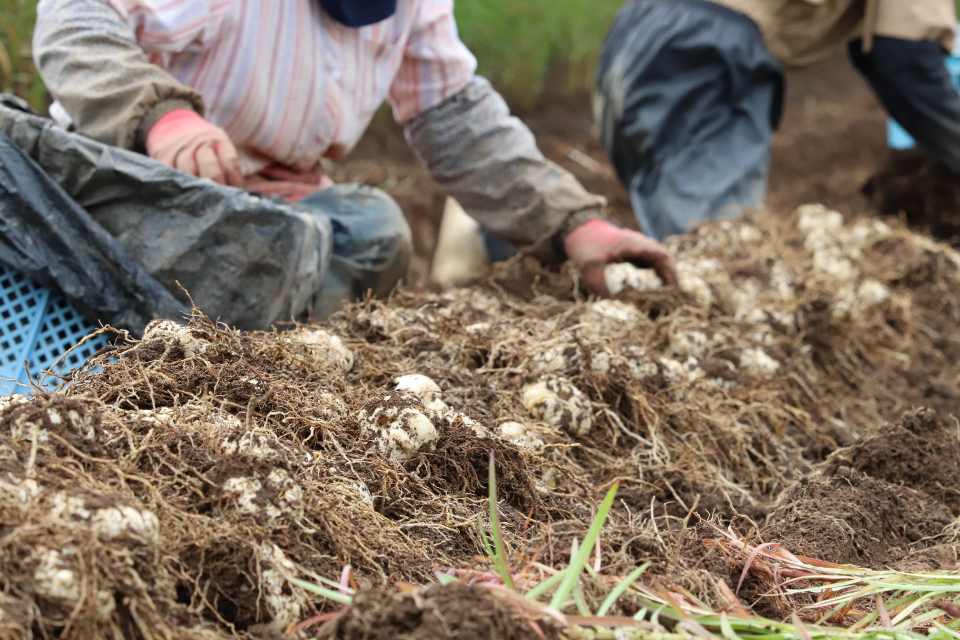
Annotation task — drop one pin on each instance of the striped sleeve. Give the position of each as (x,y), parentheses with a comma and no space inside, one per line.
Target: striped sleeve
(173,26)
(436,64)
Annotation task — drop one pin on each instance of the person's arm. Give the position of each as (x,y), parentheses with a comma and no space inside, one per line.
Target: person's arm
(489,161)
(91,62)
(93,66)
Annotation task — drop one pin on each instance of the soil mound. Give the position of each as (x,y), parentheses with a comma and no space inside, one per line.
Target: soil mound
(913,184)
(855,519)
(455,611)
(920,452)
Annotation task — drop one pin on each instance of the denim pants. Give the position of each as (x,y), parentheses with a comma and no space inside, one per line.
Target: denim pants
(372,244)
(687,99)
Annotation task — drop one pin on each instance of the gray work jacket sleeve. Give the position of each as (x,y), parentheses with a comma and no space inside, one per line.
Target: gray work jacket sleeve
(488,160)
(91,63)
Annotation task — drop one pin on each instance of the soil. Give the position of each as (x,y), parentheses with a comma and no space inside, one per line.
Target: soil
(854,519)
(457,611)
(914,185)
(921,452)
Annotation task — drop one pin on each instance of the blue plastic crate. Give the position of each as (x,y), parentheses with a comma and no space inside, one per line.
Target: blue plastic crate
(897,137)
(39,326)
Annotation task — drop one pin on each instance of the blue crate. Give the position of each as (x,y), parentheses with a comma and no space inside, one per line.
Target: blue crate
(897,137)
(39,326)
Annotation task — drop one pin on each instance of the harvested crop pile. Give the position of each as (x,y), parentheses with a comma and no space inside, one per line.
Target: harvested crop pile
(178,491)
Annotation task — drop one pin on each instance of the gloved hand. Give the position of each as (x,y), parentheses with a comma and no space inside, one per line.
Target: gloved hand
(185,141)
(292,186)
(597,243)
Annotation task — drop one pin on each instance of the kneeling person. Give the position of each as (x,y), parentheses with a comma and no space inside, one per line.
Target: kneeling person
(689,92)
(252,94)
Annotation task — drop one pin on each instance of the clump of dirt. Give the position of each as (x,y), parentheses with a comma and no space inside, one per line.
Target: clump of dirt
(920,451)
(913,184)
(454,611)
(852,518)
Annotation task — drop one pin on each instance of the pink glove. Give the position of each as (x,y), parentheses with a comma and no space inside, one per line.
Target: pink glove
(597,243)
(278,180)
(183,140)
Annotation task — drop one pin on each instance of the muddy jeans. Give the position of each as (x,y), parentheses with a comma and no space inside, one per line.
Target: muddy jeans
(126,239)
(372,244)
(687,99)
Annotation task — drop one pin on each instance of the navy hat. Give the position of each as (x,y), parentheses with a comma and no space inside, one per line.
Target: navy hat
(359,13)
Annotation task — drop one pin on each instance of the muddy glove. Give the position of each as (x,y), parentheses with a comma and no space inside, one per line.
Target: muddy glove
(597,243)
(185,141)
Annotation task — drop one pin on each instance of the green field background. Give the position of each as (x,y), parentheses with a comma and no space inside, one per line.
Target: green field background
(520,44)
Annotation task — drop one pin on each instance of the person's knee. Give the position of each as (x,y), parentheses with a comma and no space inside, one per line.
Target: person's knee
(388,237)
(369,226)
(392,234)
(387,217)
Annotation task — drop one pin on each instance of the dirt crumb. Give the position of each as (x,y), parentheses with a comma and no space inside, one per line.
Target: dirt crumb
(941,557)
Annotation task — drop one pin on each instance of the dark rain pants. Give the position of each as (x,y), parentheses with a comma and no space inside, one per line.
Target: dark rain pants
(912,82)
(687,98)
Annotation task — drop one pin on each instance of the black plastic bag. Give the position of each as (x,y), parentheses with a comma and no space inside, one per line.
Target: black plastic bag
(122,236)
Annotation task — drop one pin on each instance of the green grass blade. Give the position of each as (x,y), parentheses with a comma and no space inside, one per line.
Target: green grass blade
(619,590)
(443,578)
(946,630)
(655,618)
(546,585)
(579,601)
(329,594)
(726,629)
(583,555)
(488,547)
(501,554)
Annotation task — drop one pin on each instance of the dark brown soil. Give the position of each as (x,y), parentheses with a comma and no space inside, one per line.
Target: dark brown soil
(914,185)
(454,611)
(852,518)
(921,452)
(941,557)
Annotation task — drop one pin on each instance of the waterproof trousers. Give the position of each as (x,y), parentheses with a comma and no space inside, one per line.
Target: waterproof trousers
(687,98)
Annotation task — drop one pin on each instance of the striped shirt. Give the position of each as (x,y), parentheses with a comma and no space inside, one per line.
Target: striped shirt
(287,82)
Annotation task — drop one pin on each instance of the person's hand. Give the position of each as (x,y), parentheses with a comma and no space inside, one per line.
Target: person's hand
(293,186)
(185,141)
(597,243)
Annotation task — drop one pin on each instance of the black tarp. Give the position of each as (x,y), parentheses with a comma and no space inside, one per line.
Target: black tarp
(123,237)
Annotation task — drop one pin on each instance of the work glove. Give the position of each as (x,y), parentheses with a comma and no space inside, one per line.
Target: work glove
(292,186)
(597,243)
(185,141)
